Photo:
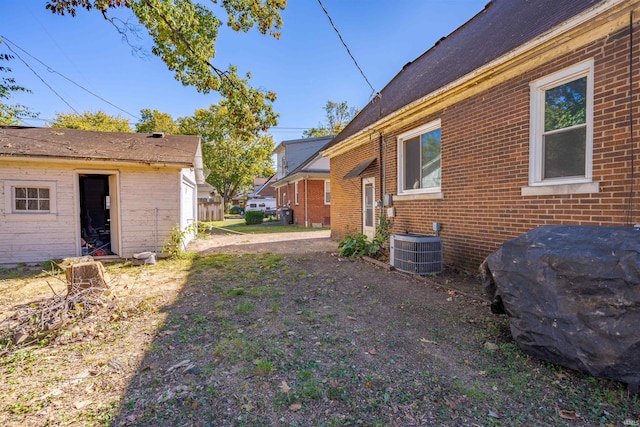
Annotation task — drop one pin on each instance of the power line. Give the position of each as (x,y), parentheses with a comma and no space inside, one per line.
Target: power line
(41,79)
(51,70)
(346,47)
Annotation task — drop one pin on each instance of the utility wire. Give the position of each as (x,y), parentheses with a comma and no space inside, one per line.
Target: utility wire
(41,79)
(346,47)
(51,70)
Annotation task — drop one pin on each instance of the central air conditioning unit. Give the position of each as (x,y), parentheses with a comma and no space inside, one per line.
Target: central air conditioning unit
(416,253)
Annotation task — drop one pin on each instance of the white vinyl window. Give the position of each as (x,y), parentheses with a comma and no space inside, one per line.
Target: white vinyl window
(295,192)
(561,127)
(419,168)
(30,197)
(327,192)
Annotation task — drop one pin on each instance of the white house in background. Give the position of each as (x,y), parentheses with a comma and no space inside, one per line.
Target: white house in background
(65,192)
(292,153)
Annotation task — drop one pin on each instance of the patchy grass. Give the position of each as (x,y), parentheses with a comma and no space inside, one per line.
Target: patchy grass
(238,225)
(266,339)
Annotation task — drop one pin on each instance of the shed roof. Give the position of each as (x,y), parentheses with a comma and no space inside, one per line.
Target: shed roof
(74,144)
(501,27)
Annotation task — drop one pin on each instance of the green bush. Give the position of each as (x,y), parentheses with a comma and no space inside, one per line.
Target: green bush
(253,217)
(174,243)
(357,244)
(354,245)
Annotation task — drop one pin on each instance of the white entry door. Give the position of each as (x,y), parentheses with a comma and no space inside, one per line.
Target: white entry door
(368,207)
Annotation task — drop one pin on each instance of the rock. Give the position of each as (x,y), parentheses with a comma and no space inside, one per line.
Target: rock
(572,294)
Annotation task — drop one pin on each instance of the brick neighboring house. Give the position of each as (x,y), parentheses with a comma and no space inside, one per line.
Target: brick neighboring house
(521,117)
(263,187)
(303,181)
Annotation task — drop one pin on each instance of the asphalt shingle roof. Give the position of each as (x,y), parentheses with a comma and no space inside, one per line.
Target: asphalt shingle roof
(501,27)
(91,145)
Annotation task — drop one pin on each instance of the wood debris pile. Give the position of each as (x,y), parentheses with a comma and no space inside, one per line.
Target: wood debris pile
(88,295)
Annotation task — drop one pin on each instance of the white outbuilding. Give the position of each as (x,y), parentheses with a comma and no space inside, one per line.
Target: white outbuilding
(69,192)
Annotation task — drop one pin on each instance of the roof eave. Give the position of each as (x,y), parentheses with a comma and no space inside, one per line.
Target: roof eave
(59,159)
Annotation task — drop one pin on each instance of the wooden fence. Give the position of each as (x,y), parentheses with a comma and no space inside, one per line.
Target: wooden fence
(211,209)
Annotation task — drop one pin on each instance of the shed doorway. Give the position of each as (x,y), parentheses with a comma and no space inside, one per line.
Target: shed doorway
(98,214)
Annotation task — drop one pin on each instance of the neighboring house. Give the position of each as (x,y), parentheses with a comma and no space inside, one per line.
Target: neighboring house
(521,117)
(65,192)
(303,183)
(292,153)
(263,188)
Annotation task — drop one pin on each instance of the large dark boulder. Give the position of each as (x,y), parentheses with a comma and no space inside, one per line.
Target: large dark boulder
(572,294)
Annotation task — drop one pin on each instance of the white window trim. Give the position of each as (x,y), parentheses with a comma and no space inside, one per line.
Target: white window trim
(9,200)
(327,182)
(295,193)
(538,185)
(436,124)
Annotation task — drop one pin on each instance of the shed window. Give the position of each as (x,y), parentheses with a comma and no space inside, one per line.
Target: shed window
(30,197)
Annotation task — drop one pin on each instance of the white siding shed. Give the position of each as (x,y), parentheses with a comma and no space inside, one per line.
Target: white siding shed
(66,192)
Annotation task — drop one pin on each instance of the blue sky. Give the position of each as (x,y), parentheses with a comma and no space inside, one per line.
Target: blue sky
(307,67)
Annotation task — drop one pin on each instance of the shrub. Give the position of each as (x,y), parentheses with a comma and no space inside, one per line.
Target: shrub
(253,217)
(357,244)
(354,245)
(174,243)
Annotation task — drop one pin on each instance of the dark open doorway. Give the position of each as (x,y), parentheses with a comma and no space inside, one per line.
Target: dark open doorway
(95,215)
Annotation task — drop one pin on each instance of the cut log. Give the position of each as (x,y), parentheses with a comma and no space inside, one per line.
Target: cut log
(85,275)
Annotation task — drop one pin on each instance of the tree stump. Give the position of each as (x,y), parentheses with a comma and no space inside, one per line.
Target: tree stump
(85,275)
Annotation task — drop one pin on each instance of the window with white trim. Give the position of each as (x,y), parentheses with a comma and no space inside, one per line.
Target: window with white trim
(295,192)
(30,197)
(327,192)
(419,168)
(561,142)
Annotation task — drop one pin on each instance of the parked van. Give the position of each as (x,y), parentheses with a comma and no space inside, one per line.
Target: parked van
(266,205)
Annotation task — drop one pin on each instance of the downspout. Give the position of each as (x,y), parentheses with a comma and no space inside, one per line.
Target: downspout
(631,191)
(306,203)
(383,181)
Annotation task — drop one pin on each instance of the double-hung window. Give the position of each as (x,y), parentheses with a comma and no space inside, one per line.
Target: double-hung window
(327,192)
(561,127)
(419,168)
(295,192)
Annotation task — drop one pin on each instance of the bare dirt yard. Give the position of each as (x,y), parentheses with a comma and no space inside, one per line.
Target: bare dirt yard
(279,330)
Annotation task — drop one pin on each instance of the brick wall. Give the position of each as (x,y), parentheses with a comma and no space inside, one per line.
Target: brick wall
(316,211)
(485,162)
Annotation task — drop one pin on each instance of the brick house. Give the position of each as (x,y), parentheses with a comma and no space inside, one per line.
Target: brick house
(263,187)
(303,183)
(521,117)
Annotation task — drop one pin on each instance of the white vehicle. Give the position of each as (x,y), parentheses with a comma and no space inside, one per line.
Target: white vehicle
(266,205)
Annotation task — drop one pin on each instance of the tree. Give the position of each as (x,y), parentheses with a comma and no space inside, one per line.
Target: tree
(11,114)
(338,116)
(233,155)
(155,121)
(99,121)
(184,33)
